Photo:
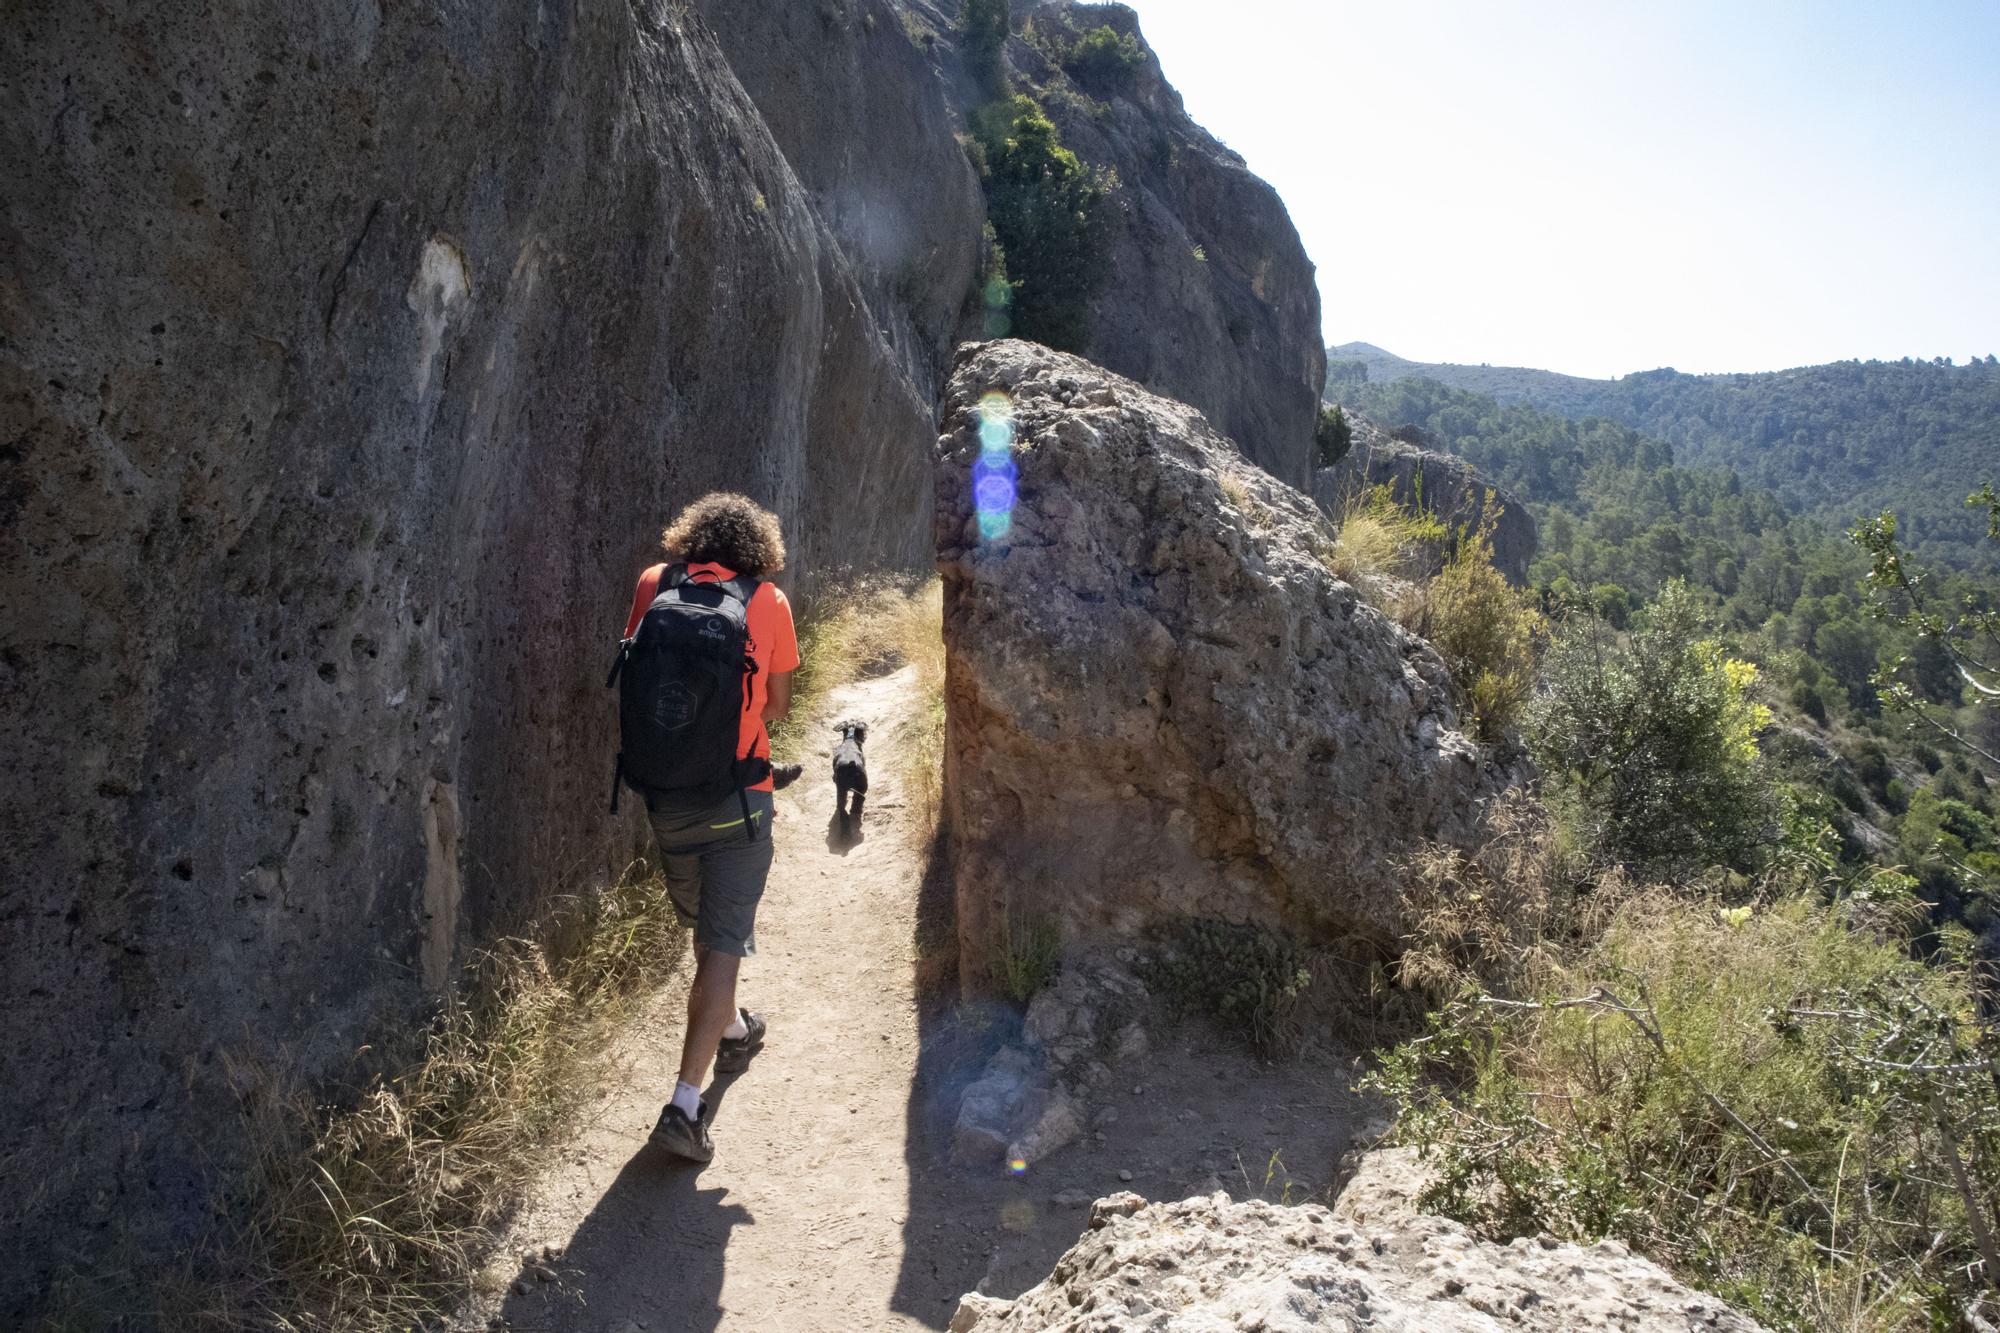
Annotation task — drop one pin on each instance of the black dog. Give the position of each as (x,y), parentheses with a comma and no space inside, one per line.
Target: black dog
(850,770)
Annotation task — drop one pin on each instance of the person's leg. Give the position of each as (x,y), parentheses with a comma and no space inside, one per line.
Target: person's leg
(711,1009)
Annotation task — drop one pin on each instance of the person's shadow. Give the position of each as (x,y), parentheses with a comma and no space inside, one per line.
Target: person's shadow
(651,1253)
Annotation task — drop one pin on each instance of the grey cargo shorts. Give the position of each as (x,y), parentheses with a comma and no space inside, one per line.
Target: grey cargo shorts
(714,874)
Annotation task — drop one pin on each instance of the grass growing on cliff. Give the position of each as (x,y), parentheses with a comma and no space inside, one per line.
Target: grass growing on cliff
(1378,541)
(375,1214)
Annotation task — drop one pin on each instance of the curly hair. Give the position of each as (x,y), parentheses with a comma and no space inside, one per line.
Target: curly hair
(730,529)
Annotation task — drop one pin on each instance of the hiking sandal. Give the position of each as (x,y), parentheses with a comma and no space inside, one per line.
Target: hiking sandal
(733,1055)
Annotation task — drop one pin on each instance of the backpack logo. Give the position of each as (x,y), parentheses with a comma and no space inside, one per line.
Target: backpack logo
(673,706)
(715,627)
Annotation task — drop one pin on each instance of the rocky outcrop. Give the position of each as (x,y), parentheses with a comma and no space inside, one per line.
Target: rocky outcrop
(1210,298)
(351,363)
(1159,701)
(1209,1263)
(1439,483)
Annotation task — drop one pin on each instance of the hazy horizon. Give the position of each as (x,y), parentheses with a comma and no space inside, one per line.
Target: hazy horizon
(1599,190)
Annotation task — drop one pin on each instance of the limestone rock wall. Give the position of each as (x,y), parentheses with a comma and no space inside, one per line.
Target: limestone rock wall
(1159,701)
(351,358)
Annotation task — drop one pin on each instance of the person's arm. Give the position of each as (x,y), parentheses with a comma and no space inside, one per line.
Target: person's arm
(777,696)
(784,656)
(642,598)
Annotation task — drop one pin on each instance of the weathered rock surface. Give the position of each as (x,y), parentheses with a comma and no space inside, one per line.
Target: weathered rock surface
(350,361)
(1209,1264)
(1211,299)
(862,117)
(1030,1100)
(1440,483)
(1159,701)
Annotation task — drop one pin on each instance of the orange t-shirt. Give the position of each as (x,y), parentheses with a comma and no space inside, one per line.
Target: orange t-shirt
(774,644)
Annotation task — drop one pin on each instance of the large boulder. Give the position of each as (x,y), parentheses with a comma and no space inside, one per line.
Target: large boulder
(351,360)
(1159,701)
(1442,484)
(1209,1264)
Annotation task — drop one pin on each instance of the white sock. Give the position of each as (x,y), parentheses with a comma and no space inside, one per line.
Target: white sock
(688,1097)
(738,1029)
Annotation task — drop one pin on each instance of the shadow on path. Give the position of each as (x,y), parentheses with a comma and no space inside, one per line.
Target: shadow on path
(843,835)
(650,1253)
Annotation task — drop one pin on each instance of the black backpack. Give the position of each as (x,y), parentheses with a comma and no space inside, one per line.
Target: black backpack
(682,680)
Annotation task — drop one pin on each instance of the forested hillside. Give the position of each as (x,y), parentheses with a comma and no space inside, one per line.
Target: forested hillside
(1620,516)
(1833,441)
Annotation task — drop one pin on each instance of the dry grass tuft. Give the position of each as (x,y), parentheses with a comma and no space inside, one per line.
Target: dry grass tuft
(376,1213)
(1380,544)
(1500,917)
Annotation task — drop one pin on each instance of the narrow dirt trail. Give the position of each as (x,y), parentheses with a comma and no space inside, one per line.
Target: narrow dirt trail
(798,1223)
(832,1205)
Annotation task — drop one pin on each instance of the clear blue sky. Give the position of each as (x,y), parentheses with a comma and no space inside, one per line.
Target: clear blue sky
(1606,186)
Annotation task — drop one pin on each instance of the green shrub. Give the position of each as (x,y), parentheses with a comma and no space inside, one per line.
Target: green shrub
(1808,701)
(983,30)
(1610,603)
(1768,1100)
(1051,216)
(1026,956)
(1105,63)
(1247,978)
(1648,744)
(1488,632)
(1333,436)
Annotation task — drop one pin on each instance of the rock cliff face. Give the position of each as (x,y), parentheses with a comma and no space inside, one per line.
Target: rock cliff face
(351,364)
(1208,1263)
(1441,483)
(1159,701)
(1211,299)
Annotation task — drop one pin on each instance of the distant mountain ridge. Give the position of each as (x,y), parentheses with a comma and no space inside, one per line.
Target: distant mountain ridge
(1835,441)
(1506,384)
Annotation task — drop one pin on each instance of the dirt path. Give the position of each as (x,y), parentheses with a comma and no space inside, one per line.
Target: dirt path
(831,1204)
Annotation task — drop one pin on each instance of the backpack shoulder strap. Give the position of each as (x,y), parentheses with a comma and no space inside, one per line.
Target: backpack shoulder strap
(670,576)
(743,587)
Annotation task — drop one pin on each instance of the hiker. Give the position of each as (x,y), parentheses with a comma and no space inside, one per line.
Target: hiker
(705,633)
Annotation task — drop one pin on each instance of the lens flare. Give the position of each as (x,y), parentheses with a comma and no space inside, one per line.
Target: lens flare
(994,477)
(1017,1166)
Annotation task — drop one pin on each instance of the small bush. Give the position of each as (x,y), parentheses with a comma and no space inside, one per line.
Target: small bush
(1105,63)
(1052,216)
(1649,744)
(1333,435)
(1488,632)
(1808,701)
(1247,978)
(1025,956)
(1498,916)
(983,29)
